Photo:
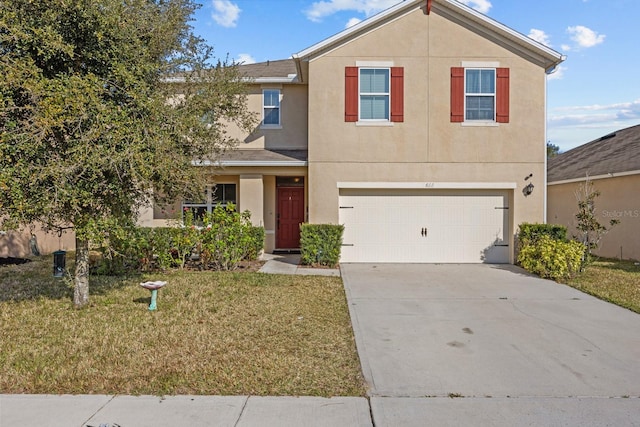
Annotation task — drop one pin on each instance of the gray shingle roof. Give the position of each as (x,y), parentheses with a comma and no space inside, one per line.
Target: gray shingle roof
(260,155)
(613,153)
(279,68)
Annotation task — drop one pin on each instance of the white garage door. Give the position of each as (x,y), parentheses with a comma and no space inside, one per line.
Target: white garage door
(440,226)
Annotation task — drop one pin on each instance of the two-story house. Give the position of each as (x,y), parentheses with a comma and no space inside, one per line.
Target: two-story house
(422,129)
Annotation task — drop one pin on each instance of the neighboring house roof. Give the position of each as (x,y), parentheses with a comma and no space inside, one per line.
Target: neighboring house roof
(615,153)
(454,11)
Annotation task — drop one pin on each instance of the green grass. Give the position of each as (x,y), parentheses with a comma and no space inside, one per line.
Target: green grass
(214,333)
(611,280)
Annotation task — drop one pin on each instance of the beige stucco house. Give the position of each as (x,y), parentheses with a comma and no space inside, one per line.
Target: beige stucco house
(422,129)
(612,163)
(418,129)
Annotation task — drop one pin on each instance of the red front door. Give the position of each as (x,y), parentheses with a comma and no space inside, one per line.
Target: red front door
(290,215)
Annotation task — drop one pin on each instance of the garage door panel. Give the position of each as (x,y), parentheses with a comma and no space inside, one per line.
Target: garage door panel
(460,227)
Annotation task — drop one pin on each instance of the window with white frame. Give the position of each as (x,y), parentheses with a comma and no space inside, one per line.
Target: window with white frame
(374,93)
(213,195)
(271,107)
(480,94)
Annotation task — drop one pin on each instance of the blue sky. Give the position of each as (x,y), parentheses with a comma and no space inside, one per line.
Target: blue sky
(594,92)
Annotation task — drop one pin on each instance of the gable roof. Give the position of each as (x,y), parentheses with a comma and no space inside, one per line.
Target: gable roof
(615,153)
(454,11)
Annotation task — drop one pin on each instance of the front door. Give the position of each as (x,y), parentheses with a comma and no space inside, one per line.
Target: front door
(290,215)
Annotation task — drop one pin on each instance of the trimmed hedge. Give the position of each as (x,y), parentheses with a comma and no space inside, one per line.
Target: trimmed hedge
(320,244)
(531,232)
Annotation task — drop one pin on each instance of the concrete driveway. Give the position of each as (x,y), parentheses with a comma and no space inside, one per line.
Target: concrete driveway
(500,338)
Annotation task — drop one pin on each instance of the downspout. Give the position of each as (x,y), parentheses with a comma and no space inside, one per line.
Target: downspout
(546,138)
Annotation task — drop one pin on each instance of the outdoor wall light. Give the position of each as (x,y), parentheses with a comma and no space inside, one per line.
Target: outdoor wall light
(527,190)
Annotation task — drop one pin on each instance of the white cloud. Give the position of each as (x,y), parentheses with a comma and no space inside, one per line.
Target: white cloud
(558,73)
(540,36)
(593,116)
(353,21)
(322,9)
(565,48)
(226,13)
(585,37)
(245,58)
(481,6)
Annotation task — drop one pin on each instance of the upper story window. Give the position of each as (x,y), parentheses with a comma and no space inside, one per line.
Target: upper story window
(480,94)
(213,195)
(271,107)
(374,93)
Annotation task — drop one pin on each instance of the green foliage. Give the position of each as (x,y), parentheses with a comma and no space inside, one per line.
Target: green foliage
(552,258)
(588,225)
(227,239)
(86,132)
(552,150)
(320,244)
(532,232)
(256,242)
(184,240)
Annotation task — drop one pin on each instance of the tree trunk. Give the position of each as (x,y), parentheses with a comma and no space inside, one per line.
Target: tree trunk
(81,290)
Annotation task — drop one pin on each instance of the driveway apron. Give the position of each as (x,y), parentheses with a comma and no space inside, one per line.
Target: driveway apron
(478,331)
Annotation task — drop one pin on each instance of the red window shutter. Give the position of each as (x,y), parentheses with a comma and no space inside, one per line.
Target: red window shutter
(351,94)
(457,94)
(397,94)
(502,95)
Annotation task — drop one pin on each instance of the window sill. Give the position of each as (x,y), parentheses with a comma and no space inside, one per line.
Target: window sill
(383,123)
(480,123)
(272,127)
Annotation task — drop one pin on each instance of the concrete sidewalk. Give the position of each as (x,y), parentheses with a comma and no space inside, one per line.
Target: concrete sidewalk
(254,411)
(290,264)
(173,411)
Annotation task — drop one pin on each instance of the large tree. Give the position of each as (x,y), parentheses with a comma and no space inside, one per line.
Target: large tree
(104,105)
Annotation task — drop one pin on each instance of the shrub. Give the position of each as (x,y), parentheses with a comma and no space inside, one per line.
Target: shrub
(320,244)
(531,232)
(229,238)
(159,254)
(123,249)
(184,239)
(551,258)
(256,243)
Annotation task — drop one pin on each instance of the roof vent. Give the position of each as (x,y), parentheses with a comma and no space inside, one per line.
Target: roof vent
(611,135)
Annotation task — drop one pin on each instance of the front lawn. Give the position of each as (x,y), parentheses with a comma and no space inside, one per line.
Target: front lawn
(214,333)
(611,280)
